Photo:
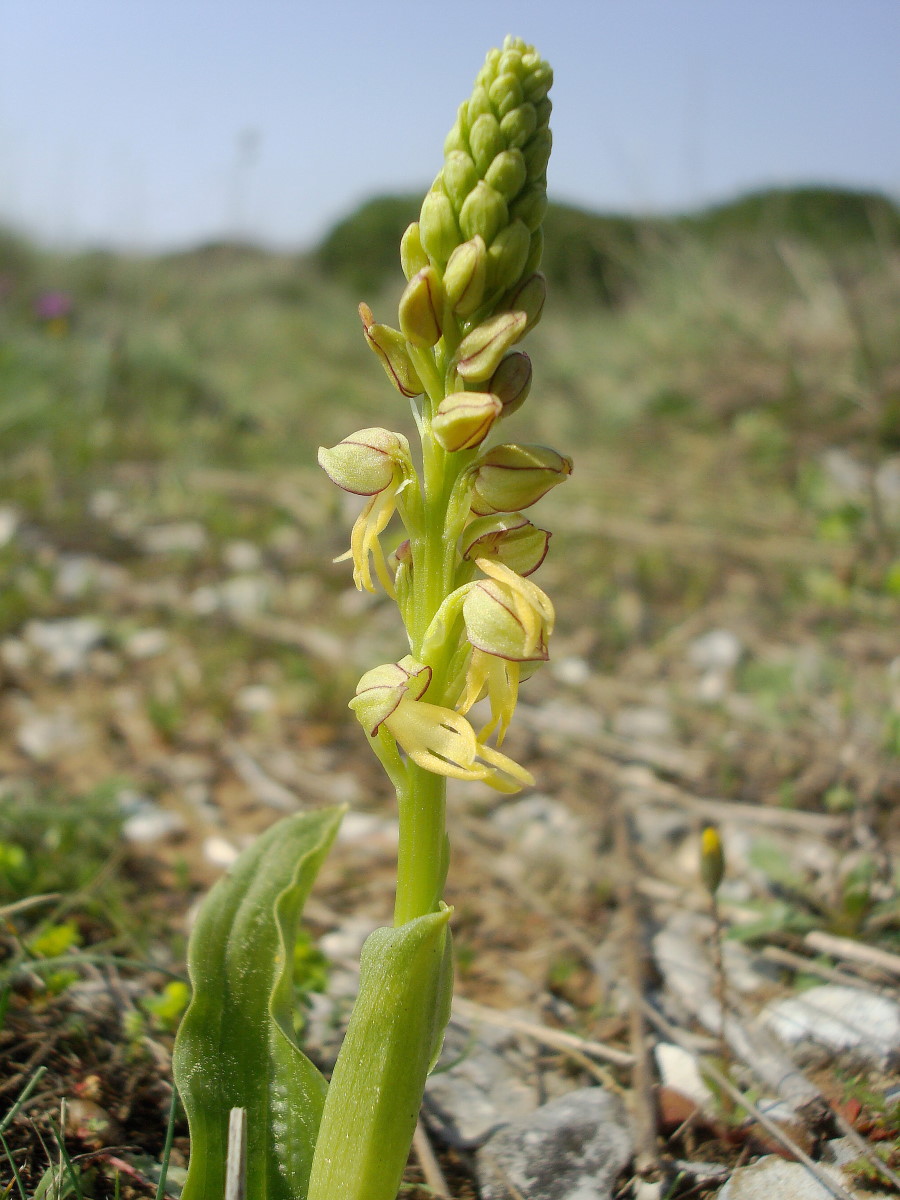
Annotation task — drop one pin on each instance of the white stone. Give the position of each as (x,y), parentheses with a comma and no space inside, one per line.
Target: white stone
(15,654)
(369,829)
(345,943)
(638,723)
(712,687)
(150,823)
(147,643)
(75,576)
(831,1020)
(718,650)
(478,1088)
(574,1148)
(255,698)
(847,476)
(572,670)
(65,644)
(104,503)
(177,537)
(773,1178)
(204,601)
(43,736)
(245,595)
(241,556)
(9,523)
(678,1070)
(579,722)
(219,851)
(887,484)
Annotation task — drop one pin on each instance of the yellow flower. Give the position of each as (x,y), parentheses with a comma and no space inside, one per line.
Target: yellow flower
(508,621)
(375,463)
(435,738)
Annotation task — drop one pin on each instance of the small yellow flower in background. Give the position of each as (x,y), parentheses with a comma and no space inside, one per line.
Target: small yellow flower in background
(712,859)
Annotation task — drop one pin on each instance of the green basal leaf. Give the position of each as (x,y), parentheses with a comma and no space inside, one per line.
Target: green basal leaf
(235,1047)
(393,1040)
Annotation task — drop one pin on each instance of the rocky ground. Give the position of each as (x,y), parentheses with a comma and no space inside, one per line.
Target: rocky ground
(613,1034)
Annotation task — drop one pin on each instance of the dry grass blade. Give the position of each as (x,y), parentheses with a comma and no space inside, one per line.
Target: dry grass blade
(472,1013)
(644,1108)
(20,906)
(431,1168)
(856,952)
(236,1161)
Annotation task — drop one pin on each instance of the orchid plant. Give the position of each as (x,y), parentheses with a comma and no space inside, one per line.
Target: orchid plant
(476,624)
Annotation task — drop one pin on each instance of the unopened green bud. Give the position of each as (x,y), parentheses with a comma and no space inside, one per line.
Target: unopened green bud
(537,153)
(459,176)
(464,419)
(486,140)
(466,275)
(511,382)
(438,229)
(390,346)
(420,308)
(508,538)
(505,93)
(495,157)
(535,253)
(530,206)
(510,60)
(712,859)
(412,256)
(528,298)
(507,256)
(456,138)
(543,109)
(537,84)
(403,553)
(484,212)
(480,351)
(507,173)
(479,104)
(519,124)
(512,477)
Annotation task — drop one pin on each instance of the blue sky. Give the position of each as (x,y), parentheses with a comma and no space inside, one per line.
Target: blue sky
(157,123)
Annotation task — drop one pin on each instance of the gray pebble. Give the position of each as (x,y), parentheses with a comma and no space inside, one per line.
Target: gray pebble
(858,1026)
(574,1148)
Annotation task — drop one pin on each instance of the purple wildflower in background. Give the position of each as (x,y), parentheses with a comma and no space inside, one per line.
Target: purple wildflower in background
(53,306)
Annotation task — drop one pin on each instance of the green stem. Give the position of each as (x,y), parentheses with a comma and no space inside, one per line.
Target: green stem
(422,856)
(422,852)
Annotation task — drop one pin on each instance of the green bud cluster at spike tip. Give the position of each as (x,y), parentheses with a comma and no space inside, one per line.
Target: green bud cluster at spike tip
(482,218)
